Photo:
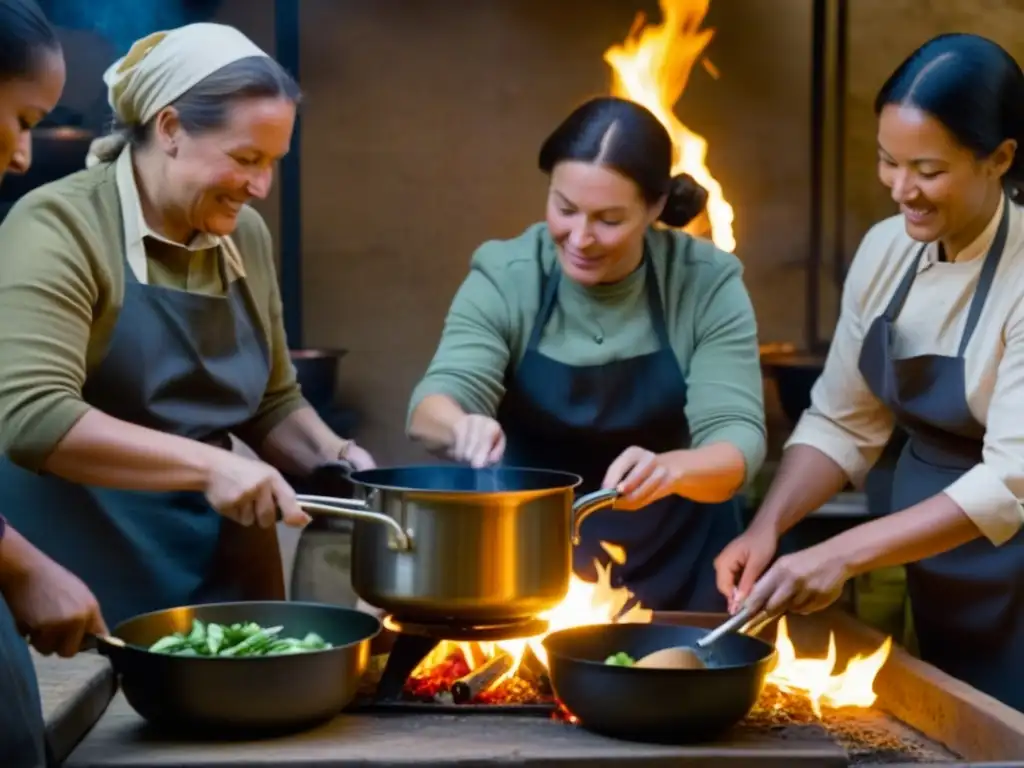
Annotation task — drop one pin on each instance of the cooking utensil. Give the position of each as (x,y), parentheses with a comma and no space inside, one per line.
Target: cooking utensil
(242,694)
(458,545)
(700,656)
(671,658)
(655,705)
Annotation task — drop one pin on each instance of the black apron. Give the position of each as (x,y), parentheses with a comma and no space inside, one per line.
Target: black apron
(968,603)
(22,732)
(186,364)
(580,418)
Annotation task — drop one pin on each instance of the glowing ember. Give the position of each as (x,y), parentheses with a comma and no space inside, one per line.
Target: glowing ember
(814,678)
(652,68)
(586,603)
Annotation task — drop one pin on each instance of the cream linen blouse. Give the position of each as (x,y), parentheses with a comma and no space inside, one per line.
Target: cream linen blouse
(846,421)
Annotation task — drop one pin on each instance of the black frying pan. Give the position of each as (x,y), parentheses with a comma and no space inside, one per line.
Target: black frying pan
(243,696)
(655,705)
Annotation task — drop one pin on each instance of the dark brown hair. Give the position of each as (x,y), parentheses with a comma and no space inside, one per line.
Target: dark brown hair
(627,137)
(25,32)
(973,87)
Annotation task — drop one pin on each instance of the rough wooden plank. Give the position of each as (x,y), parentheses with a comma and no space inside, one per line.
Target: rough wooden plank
(946,710)
(75,692)
(121,740)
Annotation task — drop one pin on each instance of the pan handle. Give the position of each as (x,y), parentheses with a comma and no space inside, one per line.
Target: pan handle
(353,509)
(585,506)
(102,644)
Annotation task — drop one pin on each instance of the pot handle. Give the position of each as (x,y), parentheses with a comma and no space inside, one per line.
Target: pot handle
(353,509)
(587,505)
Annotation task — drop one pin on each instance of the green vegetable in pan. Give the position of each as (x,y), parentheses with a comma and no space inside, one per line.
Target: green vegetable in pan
(233,640)
(620,659)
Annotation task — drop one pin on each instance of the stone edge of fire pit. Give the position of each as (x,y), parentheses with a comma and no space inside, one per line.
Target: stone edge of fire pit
(946,710)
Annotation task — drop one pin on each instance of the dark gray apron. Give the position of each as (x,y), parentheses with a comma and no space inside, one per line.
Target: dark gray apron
(580,418)
(185,364)
(22,732)
(968,603)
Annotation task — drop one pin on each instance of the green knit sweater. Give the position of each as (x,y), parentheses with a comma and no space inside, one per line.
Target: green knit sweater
(710,320)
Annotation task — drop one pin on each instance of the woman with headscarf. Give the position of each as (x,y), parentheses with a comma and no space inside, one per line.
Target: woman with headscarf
(142,328)
(38,597)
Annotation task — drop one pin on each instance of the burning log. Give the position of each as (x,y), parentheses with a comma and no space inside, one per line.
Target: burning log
(532,670)
(436,681)
(467,688)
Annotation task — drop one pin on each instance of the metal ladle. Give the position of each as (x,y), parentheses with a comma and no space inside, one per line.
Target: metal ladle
(700,657)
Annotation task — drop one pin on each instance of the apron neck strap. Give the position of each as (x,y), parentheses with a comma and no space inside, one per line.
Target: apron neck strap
(899,298)
(549,294)
(986,278)
(654,303)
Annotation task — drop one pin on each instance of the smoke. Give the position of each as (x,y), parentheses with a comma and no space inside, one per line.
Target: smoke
(122,22)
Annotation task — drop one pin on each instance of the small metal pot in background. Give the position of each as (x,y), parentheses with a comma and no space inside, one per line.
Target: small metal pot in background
(454,544)
(317,373)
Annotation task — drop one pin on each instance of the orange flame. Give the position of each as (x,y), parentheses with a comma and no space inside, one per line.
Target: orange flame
(587,603)
(814,678)
(600,603)
(652,68)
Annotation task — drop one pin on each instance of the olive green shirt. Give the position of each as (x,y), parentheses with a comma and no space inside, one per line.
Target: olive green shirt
(708,312)
(62,278)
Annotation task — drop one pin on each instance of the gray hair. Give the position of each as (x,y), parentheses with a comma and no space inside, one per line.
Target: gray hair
(206,105)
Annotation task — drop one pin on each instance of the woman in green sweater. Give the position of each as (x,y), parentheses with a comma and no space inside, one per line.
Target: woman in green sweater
(600,344)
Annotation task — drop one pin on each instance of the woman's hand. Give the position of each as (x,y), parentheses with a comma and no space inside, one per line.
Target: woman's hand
(52,605)
(743,560)
(479,441)
(804,582)
(250,491)
(359,457)
(641,477)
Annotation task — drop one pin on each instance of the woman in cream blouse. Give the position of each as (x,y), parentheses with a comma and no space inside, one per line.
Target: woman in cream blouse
(930,338)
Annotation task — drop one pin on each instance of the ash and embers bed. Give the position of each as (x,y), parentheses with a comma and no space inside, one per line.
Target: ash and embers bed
(869,736)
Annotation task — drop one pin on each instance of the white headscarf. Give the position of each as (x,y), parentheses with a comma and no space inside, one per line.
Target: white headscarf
(159,69)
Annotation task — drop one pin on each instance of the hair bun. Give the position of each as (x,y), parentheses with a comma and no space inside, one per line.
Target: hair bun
(685,201)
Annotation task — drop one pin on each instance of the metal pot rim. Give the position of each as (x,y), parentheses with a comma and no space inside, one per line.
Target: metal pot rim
(558,481)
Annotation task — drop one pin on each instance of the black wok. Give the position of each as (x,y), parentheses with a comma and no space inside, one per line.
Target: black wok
(655,705)
(230,696)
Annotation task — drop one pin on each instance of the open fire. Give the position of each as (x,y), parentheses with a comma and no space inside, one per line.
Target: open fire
(652,67)
(514,671)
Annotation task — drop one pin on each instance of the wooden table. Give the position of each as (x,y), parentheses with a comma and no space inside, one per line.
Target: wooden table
(75,693)
(121,740)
